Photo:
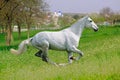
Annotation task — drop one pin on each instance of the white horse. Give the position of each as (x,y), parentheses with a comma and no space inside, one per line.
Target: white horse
(65,40)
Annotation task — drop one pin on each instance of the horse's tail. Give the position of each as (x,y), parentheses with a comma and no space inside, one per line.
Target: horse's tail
(22,47)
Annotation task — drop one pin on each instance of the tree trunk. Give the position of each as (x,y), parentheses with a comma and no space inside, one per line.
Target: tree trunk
(9,17)
(19,30)
(28,32)
(9,35)
(2,29)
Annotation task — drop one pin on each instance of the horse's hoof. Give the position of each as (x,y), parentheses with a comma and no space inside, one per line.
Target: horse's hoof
(62,64)
(72,58)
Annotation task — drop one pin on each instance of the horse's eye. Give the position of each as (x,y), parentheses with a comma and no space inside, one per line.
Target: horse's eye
(90,20)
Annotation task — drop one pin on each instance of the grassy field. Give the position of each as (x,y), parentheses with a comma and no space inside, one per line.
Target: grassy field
(101,60)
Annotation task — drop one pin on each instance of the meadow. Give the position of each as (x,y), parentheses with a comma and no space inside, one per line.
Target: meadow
(101,60)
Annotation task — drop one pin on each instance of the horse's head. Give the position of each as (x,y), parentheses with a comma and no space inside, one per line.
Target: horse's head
(90,23)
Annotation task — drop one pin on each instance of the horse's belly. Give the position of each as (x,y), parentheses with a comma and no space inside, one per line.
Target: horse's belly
(54,47)
(59,45)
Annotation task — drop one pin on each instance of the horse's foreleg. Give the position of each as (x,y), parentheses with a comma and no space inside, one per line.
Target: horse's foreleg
(70,57)
(74,49)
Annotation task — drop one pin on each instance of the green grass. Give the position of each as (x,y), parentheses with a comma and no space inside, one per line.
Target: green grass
(101,60)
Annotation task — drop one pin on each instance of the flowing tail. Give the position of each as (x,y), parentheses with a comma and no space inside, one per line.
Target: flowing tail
(22,47)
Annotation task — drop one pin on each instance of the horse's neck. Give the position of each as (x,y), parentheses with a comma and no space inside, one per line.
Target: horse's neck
(77,28)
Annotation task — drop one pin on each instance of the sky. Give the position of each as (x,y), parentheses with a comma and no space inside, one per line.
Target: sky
(83,6)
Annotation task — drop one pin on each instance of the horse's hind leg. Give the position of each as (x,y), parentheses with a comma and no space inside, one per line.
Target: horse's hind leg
(43,56)
(45,47)
(39,53)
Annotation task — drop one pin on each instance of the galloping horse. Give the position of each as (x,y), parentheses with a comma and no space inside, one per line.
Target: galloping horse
(64,40)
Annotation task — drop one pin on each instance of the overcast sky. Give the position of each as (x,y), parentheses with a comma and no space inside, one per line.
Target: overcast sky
(83,6)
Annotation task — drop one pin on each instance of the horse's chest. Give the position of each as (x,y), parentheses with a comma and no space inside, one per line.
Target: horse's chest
(73,41)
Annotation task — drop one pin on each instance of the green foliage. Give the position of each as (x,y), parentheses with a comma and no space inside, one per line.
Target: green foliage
(76,17)
(101,60)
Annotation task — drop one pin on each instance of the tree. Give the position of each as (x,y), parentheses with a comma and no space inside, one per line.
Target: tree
(19,11)
(106,13)
(29,9)
(7,13)
(3,3)
(76,16)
